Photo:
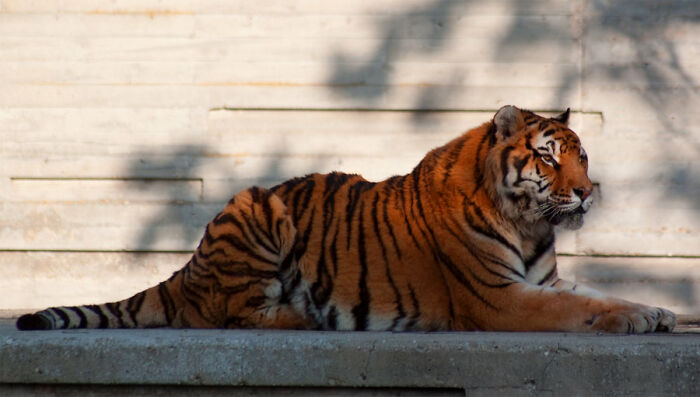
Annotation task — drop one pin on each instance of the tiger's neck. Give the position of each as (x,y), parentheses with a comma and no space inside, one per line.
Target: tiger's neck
(457,176)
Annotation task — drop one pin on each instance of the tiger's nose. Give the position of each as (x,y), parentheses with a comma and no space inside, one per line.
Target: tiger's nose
(583,192)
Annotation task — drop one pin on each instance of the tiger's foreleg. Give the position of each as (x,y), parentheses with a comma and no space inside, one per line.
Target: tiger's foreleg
(626,312)
(527,307)
(548,302)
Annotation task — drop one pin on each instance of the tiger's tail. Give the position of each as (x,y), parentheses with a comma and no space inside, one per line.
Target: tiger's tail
(146,309)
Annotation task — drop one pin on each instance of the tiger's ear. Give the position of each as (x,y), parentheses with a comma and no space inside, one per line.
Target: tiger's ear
(508,121)
(564,117)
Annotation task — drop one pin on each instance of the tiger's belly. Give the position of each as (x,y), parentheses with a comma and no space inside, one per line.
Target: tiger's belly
(375,297)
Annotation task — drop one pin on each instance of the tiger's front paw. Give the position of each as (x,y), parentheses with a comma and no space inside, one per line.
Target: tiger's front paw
(635,319)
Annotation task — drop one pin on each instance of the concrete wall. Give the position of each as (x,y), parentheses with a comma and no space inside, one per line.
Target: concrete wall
(124,126)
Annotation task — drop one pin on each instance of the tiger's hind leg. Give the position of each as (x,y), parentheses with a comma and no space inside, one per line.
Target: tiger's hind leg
(235,279)
(237,276)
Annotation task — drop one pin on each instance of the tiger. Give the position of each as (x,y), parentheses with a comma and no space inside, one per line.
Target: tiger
(464,242)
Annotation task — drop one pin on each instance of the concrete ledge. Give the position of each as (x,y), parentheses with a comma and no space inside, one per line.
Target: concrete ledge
(486,363)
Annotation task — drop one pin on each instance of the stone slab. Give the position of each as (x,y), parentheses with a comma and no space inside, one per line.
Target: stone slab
(484,363)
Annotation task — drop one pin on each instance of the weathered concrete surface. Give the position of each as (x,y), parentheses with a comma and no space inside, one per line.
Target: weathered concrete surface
(482,363)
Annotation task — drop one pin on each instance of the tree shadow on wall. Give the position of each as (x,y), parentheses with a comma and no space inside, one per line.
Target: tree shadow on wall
(369,80)
(630,282)
(180,216)
(184,174)
(655,32)
(650,36)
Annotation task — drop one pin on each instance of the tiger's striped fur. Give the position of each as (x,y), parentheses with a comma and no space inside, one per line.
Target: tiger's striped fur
(463,242)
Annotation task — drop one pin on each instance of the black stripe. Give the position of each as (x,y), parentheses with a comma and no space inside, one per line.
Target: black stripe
(303,243)
(477,256)
(462,279)
(166,300)
(547,276)
(543,246)
(104,321)
(332,318)
(334,182)
(62,314)
(361,310)
(133,305)
(478,172)
(390,279)
(255,301)
(236,243)
(310,187)
(322,287)
(286,263)
(224,217)
(387,223)
(254,228)
(202,272)
(257,193)
(334,251)
(295,198)
(194,297)
(195,263)
(263,197)
(519,164)
(478,253)
(504,163)
(79,312)
(269,214)
(232,219)
(415,198)
(529,117)
(402,200)
(287,186)
(242,269)
(489,230)
(453,156)
(354,192)
(416,309)
(299,205)
(113,308)
(375,226)
(472,248)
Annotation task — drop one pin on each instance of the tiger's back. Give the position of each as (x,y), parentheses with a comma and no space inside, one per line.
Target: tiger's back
(463,242)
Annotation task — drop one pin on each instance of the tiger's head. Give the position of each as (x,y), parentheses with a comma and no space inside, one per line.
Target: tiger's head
(540,167)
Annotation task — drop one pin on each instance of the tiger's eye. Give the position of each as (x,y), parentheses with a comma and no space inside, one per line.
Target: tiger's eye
(548,158)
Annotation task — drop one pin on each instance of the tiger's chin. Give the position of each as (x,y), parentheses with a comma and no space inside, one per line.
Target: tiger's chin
(571,220)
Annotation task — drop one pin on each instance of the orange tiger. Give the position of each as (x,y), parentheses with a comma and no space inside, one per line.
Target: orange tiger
(463,242)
